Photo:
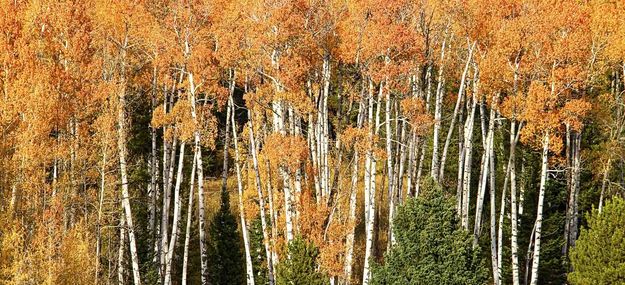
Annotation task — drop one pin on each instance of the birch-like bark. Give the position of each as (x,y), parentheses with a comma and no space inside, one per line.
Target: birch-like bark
(177,210)
(370,171)
(539,212)
(122,150)
(120,251)
(460,175)
(502,215)
(514,246)
(312,142)
(428,95)
(349,241)
(438,106)
(389,165)
(200,183)
(400,165)
(493,207)
(481,193)
(485,172)
(412,146)
(187,237)
(153,187)
(263,220)
(468,151)
(323,127)
(246,240)
(459,99)
(165,210)
(604,183)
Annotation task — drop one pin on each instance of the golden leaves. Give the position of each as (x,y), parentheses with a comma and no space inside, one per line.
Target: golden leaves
(179,122)
(286,150)
(574,112)
(413,109)
(207,126)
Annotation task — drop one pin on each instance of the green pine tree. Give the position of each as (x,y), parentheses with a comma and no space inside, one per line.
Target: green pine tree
(300,267)
(259,260)
(226,263)
(599,253)
(431,248)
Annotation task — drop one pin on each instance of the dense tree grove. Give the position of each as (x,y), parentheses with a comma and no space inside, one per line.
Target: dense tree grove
(311,141)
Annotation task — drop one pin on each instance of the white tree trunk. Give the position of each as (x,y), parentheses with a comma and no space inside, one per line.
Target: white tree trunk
(389,166)
(246,240)
(459,99)
(514,247)
(493,206)
(539,214)
(438,106)
(153,187)
(122,149)
(200,184)
(261,199)
(177,210)
(187,237)
(468,151)
(460,175)
(485,171)
(604,182)
(349,240)
(370,171)
(165,210)
(120,251)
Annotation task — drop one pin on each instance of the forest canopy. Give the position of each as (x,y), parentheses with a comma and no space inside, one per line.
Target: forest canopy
(311,141)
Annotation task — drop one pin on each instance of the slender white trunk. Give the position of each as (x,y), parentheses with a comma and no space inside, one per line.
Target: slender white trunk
(493,206)
(261,199)
(165,210)
(604,182)
(502,215)
(481,193)
(120,252)
(389,166)
(468,151)
(522,190)
(539,213)
(486,166)
(200,184)
(459,99)
(428,95)
(312,142)
(122,150)
(460,166)
(420,170)
(401,164)
(370,171)
(246,240)
(349,241)
(324,132)
(174,225)
(187,236)
(514,247)
(153,187)
(438,106)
